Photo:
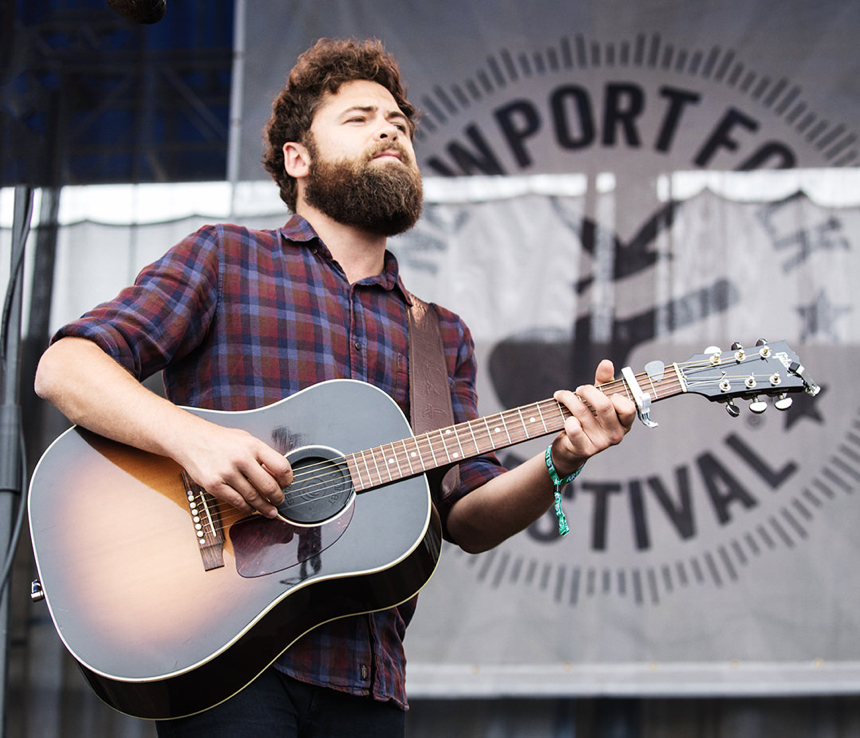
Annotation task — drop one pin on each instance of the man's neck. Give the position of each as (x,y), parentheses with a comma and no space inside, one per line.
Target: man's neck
(359,253)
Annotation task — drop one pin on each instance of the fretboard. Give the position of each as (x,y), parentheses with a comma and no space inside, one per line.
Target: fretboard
(409,457)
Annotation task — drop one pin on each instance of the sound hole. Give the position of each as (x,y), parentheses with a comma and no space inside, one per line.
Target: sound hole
(321,486)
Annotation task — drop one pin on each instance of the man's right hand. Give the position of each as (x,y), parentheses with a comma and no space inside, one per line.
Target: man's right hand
(236,467)
(94,391)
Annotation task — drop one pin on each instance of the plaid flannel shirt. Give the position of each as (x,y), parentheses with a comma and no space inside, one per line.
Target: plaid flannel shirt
(238,319)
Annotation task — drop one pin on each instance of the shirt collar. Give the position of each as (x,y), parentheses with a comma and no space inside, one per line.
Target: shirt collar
(299,231)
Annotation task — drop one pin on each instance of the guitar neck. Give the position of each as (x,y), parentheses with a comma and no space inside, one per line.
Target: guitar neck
(409,457)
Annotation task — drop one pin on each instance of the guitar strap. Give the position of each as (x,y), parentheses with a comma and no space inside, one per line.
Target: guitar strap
(430,390)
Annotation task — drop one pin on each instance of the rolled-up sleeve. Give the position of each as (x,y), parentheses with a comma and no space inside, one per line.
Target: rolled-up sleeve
(163,315)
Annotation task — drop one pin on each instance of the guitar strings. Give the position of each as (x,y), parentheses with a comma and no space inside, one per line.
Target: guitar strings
(311,472)
(673,384)
(316,475)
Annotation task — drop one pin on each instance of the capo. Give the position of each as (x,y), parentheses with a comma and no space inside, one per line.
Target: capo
(642,399)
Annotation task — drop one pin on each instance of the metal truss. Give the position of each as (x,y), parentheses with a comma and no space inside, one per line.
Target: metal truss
(86,97)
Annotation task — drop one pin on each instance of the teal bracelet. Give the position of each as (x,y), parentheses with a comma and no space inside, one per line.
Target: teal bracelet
(558,483)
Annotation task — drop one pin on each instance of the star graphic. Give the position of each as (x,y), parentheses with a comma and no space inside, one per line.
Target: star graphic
(804,406)
(820,316)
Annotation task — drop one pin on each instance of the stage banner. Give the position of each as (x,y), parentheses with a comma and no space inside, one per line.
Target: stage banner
(648,182)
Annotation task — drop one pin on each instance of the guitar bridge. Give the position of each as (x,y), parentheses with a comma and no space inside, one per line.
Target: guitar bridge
(206,519)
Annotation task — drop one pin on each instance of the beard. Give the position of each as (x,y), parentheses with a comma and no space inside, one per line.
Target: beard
(383,198)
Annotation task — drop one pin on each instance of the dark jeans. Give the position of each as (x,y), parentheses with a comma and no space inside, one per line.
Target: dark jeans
(276,705)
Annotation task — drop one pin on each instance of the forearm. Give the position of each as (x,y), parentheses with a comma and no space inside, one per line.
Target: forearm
(502,507)
(94,391)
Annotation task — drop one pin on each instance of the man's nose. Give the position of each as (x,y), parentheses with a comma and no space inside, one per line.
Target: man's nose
(387,132)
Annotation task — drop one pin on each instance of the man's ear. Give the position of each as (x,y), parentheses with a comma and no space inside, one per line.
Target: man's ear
(296,159)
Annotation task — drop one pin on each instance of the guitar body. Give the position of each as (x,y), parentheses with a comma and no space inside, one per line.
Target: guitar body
(157,632)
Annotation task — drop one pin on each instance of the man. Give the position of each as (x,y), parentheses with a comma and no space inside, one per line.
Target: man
(239,319)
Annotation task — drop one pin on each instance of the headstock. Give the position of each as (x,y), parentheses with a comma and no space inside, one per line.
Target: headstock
(765,370)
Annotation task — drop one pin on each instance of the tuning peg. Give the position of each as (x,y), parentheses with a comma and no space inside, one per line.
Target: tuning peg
(732,409)
(737,346)
(758,406)
(763,348)
(783,402)
(812,389)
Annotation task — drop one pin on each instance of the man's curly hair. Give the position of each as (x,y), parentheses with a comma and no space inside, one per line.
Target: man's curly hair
(321,70)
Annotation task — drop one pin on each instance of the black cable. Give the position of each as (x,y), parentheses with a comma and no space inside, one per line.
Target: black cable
(23,216)
(19,524)
(18,240)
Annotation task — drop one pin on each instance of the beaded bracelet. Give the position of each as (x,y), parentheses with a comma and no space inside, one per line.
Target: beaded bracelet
(558,483)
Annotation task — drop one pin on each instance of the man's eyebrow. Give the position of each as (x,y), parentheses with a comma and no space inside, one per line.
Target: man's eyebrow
(394,113)
(359,109)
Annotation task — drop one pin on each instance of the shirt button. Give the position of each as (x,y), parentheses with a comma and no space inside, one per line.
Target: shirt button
(357,346)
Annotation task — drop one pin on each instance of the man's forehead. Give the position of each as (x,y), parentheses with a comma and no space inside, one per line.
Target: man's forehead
(360,94)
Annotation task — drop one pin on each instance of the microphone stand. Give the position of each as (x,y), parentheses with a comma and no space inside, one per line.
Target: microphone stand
(11,440)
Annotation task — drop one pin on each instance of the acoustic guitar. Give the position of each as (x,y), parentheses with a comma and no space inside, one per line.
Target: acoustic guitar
(172,601)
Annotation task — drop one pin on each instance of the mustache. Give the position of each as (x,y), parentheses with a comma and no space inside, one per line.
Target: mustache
(384,146)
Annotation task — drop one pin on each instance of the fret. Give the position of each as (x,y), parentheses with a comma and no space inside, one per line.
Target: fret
(474,440)
(654,392)
(406,454)
(416,453)
(512,431)
(501,416)
(376,464)
(457,455)
(390,462)
(481,434)
(542,419)
(367,466)
(522,421)
(426,437)
(523,426)
(355,472)
(489,435)
(445,444)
